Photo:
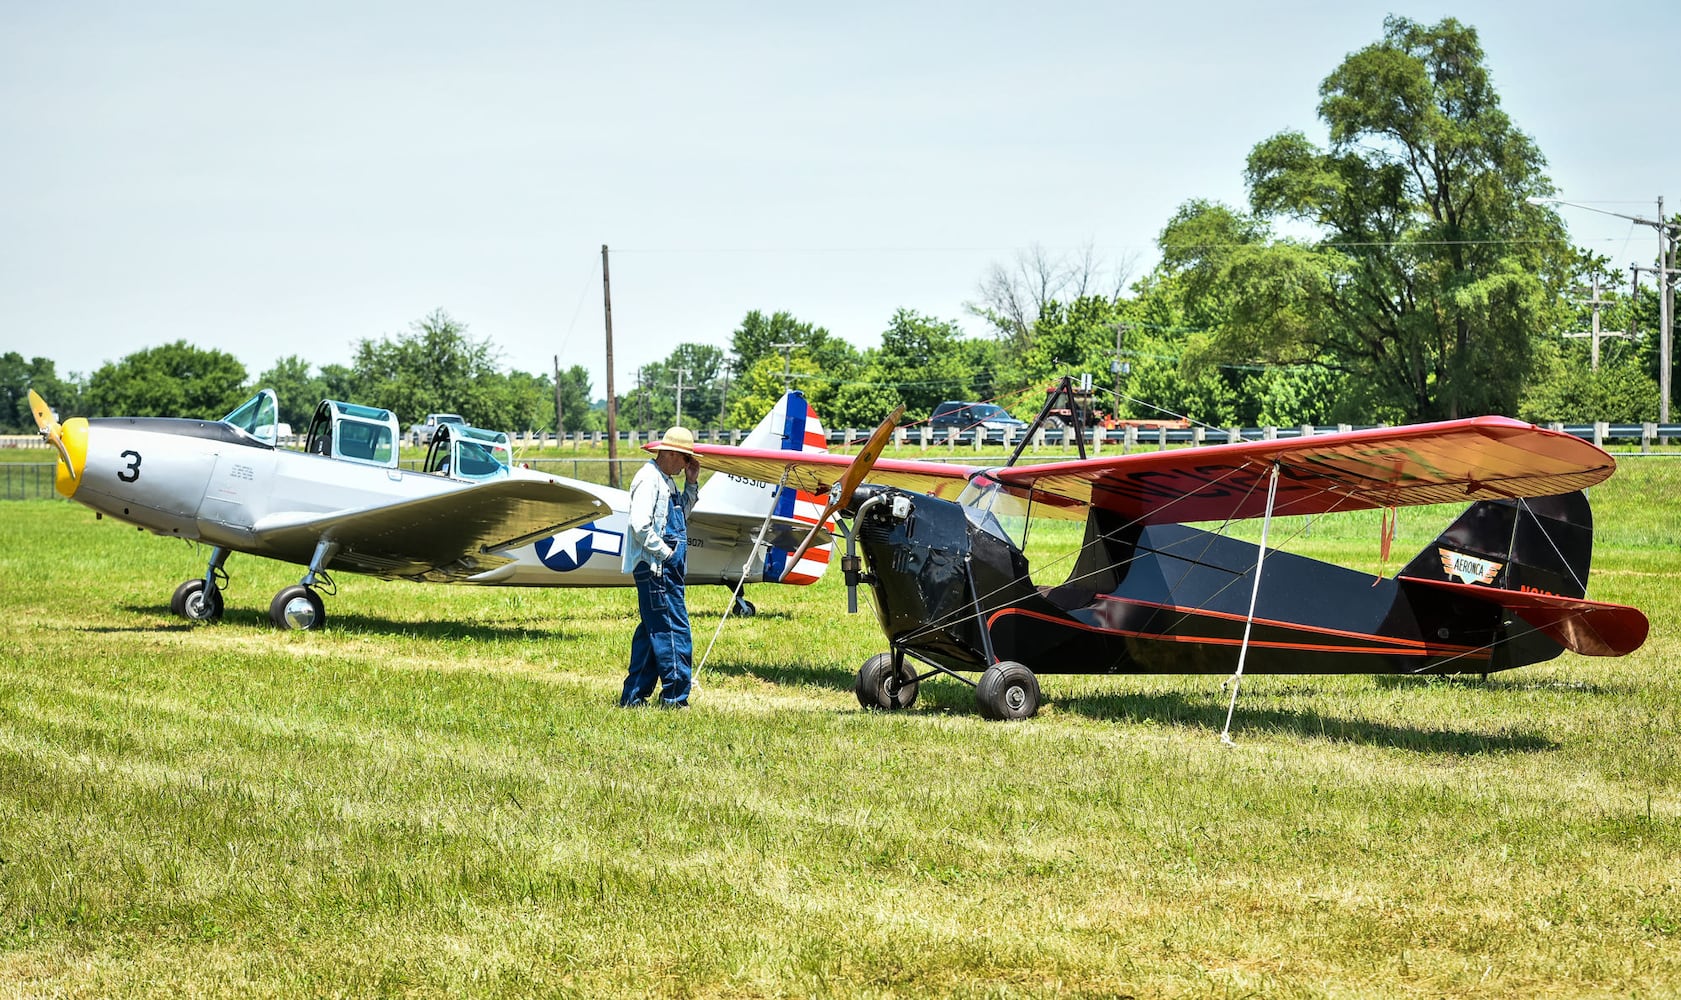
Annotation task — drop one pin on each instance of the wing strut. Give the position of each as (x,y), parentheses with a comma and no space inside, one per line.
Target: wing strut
(1254,594)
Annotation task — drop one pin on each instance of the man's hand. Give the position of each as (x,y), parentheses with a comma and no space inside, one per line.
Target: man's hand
(691,468)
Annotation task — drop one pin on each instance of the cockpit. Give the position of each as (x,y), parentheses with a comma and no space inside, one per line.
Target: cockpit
(362,434)
(470,453)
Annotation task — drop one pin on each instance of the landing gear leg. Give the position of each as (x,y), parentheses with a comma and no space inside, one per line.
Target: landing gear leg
(300,606)
(200,599)
(743,608)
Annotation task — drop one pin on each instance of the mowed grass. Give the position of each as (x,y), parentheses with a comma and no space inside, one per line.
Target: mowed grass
(436,797)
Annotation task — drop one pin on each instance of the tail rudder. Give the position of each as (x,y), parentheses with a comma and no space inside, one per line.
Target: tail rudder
(789,426)
(1540,545)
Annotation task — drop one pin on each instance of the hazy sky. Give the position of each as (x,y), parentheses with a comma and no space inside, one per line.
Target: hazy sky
(276,179)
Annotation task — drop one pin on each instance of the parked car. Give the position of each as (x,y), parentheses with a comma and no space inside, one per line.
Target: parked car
(421,433)
(983,416)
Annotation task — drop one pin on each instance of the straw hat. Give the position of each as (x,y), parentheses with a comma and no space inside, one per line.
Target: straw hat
(678,439)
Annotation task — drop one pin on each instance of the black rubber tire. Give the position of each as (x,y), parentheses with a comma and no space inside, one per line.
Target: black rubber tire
(871,687)
(1008,690)
(178,601)
(286,614)
(198,604)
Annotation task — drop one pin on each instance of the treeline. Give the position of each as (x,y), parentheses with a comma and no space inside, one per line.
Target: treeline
(1433,286)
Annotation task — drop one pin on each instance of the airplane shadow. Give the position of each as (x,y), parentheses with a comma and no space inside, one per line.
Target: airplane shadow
(791,674)
(1499,682)
(352,622)
(1205,712)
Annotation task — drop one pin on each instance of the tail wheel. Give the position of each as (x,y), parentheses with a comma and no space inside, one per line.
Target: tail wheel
(1008,690)
(875,688)
(197,603)
(297,608)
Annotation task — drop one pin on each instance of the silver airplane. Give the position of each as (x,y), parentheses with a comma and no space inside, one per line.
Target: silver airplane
(468,515)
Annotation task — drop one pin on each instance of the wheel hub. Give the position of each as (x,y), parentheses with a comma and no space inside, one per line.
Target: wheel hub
(300,613)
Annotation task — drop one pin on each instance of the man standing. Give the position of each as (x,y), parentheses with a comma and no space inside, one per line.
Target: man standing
(655,547)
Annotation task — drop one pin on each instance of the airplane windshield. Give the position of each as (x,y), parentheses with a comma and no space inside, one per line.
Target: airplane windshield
(258,416)
(994,508)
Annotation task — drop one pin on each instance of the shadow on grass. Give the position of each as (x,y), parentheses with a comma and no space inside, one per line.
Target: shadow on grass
(350,622)
(1176,708)
(792,674)
(1499,682)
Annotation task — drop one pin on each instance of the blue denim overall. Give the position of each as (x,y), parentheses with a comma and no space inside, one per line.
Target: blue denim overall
(661,648)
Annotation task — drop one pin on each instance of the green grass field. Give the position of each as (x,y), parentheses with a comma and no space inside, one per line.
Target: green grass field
(436,797)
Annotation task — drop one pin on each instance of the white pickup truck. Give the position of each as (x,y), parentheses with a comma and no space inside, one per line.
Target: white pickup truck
(421,433)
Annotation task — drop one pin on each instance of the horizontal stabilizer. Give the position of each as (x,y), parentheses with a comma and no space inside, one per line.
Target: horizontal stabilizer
(721,529)
(1591,628)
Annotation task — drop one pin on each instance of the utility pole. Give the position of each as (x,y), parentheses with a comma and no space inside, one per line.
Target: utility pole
(559,421)
(612,403)
(1666,310)
(787,364)
(1597,303)
(681,374)
(1666,273)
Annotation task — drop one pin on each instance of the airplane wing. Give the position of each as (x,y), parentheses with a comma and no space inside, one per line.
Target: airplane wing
(1481,458)
(816,472)
(445,536)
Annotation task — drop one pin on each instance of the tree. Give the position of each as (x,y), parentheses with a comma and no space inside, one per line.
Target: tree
(754,393)
(919,356)
(297,390)
(1014,296)
(175,380)
(576,412)
(831,360)
(18,376)
(436,367)
(1431,275)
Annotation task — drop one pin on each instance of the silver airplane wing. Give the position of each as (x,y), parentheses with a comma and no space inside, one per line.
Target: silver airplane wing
(447,536)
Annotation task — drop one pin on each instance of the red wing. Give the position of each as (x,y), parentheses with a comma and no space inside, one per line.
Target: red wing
(815,472)
(1591,628)
(1482,458)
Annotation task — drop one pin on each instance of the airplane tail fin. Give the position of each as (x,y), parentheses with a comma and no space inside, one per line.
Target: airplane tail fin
(1536,545)
(789,426)
(1531,558)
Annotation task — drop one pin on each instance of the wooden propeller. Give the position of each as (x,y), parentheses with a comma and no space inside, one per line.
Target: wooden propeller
(841,494)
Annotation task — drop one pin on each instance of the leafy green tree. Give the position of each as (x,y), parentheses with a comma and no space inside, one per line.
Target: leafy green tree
(757,389)
(435,367)
(298,391)
(18,376)
(576,412)
(1431,276)
(175,380)
(920,357)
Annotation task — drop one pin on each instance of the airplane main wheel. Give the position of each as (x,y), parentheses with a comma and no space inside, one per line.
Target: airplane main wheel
(872,687)
(1008,690)
(297,607)
(196,603)
(745,608)
(178,600)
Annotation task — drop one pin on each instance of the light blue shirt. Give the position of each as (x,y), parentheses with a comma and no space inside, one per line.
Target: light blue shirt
(650,510)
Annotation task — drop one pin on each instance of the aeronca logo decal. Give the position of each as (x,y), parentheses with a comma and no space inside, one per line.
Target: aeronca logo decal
(1469,568)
